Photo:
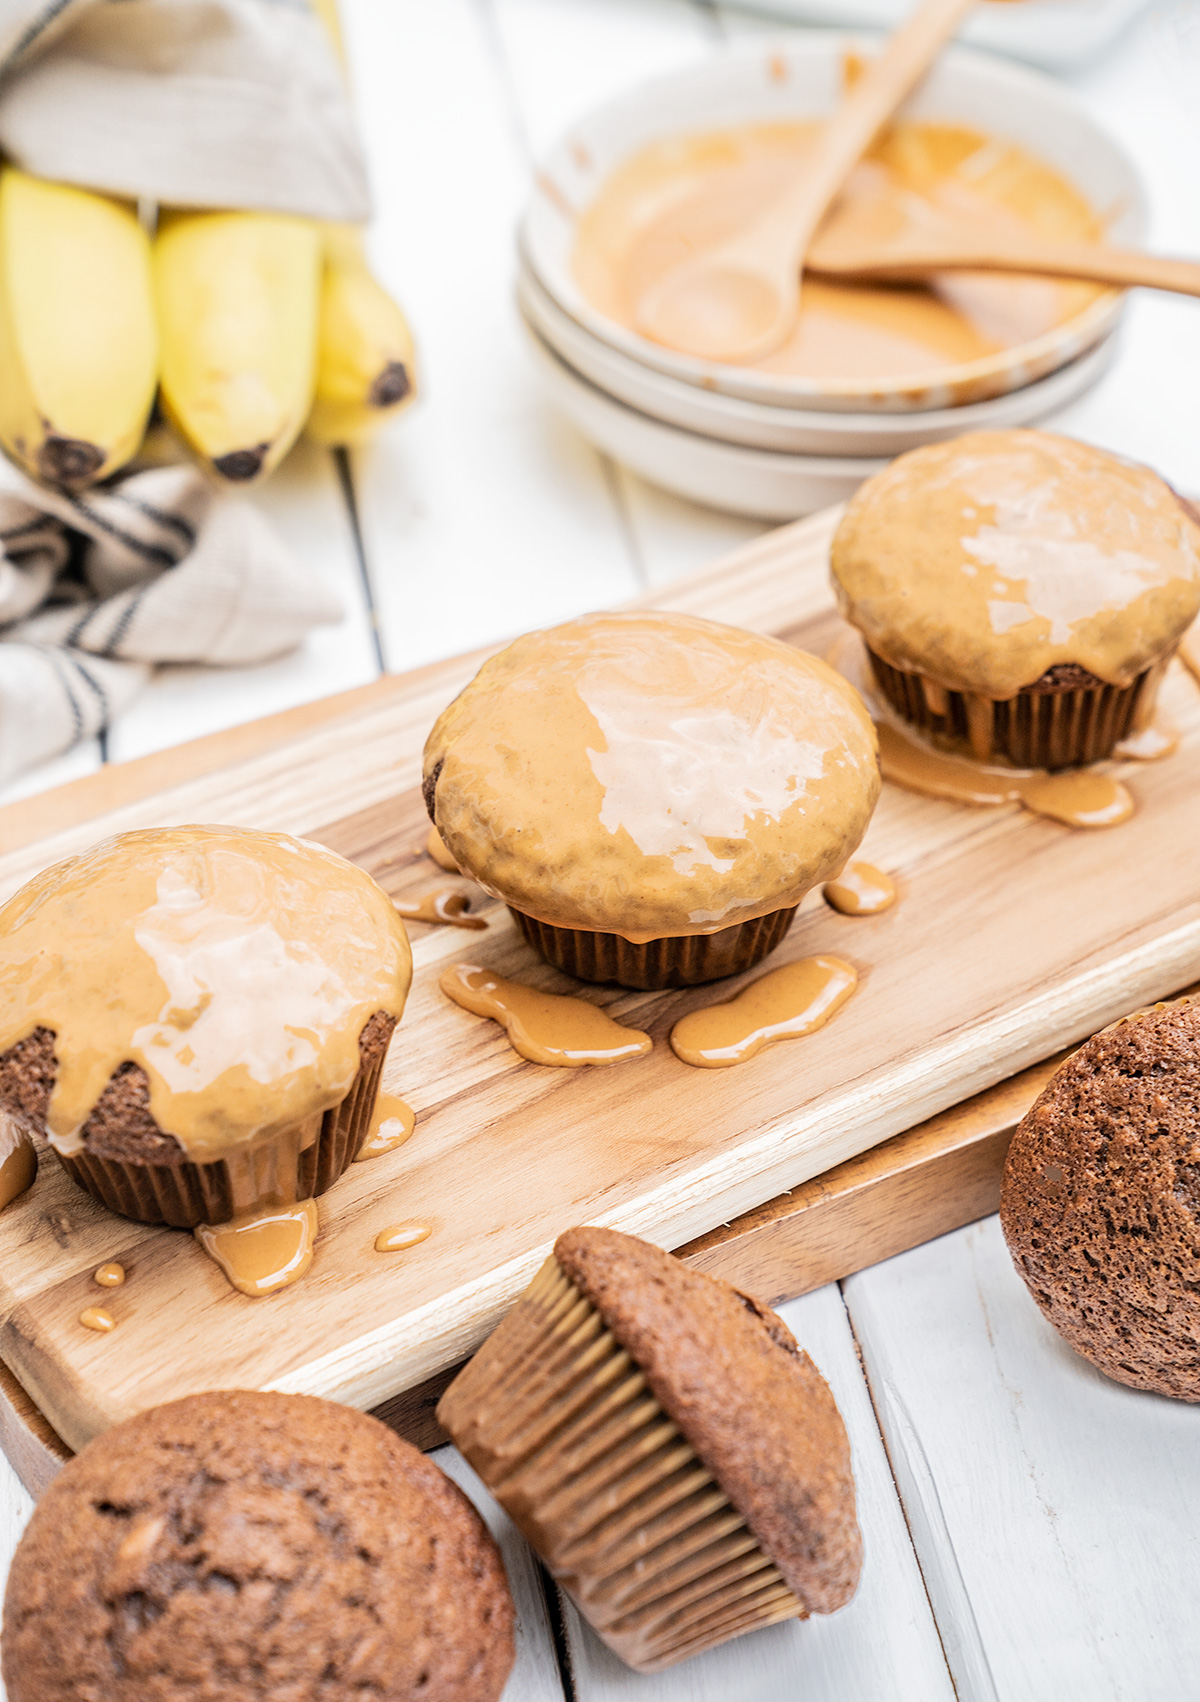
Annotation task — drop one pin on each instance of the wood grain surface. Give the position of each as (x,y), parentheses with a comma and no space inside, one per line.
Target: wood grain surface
(1013,937)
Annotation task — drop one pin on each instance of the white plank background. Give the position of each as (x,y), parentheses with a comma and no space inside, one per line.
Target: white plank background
(1037,1524)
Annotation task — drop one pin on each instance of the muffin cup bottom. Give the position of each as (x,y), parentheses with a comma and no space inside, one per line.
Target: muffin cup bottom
(297,1164)
(1050,727)
(559,1422)
(680,960)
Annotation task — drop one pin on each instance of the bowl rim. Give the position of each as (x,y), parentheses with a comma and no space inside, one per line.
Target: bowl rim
(970,381)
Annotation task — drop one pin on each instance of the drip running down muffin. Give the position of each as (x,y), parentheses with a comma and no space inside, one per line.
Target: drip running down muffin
(1020,594)
(197,1018)
(677,1461)
(247,1547)
(652,794)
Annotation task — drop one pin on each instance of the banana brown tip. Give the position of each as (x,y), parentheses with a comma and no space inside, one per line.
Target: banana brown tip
(391,386)
(241,465)
(68,460)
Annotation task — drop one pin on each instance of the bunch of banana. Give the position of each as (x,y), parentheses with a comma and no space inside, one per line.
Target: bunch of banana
(78,340)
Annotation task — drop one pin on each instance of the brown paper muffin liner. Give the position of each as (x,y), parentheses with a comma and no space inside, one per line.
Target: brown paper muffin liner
(1057,723)
(558,1421)
(680,960)
(297,1164)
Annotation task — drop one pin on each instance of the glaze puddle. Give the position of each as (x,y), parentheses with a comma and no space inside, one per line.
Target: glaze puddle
(265,1250)
(17,1171)
(782,1005)
(401,1236)
(96,1318)
(391,1126)
(860,890)
(546,1028)
(109,1276)
(435,847)
(446,905)
(1149,744)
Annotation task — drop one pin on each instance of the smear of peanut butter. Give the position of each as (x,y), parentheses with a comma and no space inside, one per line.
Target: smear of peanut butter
(860,890)
(264,1251)
(391,1125)
(782,1005)
(447,906)
(546,1028)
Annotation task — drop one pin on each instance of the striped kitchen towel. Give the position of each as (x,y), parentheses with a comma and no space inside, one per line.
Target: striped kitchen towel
(96,590)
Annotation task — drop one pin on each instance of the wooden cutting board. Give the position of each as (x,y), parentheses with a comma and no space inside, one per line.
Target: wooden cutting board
(1014,937)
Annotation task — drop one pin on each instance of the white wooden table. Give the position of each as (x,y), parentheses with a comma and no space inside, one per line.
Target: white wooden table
(1030,1528)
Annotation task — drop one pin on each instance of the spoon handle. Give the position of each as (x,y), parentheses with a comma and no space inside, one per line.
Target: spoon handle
(865,108)
(1093,261)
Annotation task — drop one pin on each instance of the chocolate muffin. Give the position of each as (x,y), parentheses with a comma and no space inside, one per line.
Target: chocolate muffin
(652,794)
(677,1461)
(197,1018)
(245,1547)
(1101,1200)
(1020,595)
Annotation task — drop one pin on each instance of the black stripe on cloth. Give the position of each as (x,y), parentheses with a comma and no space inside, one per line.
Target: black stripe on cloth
(76,632)
(124,621)
(55,659)
(98,690)
(39,523)
(149,552)
(173,522)
(38,27)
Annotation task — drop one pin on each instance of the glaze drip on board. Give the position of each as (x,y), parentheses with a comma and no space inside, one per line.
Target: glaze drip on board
(447,906)
(237,969)
(401,1236)
(109,1276)
(392,1124)
(18,1166)
(781,1005)
(546,1028)
(860,890)
(264,1251)
(97,1318)
(435,847)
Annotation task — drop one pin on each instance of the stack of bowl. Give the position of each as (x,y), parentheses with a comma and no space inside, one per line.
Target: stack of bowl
(768,444)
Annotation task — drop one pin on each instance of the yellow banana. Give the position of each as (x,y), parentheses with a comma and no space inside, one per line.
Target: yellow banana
(365,370)
(238,297)
(78,340)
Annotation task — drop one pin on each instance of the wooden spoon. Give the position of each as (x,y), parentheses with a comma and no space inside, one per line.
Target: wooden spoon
(980,251)
(739,301)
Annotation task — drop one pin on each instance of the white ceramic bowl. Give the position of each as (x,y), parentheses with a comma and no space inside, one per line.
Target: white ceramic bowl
(805,431)
(800,76)
(761,483)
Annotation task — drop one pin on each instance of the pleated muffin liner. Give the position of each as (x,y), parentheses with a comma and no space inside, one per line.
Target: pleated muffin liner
(680,960)
(1044,727)
(297,1164)
(558,1420)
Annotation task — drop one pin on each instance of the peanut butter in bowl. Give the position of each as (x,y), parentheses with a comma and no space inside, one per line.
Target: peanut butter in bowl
(681,194)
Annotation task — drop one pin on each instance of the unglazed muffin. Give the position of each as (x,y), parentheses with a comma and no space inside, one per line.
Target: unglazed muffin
(1020,594)
(197,1018)
(246,1547)
(1101,1200)
(652,794)
(677,1461)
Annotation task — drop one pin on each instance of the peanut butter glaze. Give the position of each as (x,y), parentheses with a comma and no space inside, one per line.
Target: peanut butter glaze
(651,775)
(984,562)
(237,969)
(18,1163)
(447,906)
(109,1276)
(401,1236)
(684,194)
(546,1028)
(435,847)
(860,890)
(783,1005)
(98,1319)
(264,1251)
(391,1126)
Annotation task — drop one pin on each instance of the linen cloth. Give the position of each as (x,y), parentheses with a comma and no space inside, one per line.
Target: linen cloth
(193,103)
(97,589)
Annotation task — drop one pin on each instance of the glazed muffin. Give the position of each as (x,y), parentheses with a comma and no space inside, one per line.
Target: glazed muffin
(1020,595)
(676,1460)
(1101,1200)
(652,794)
(197,1018)
(244,1547)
